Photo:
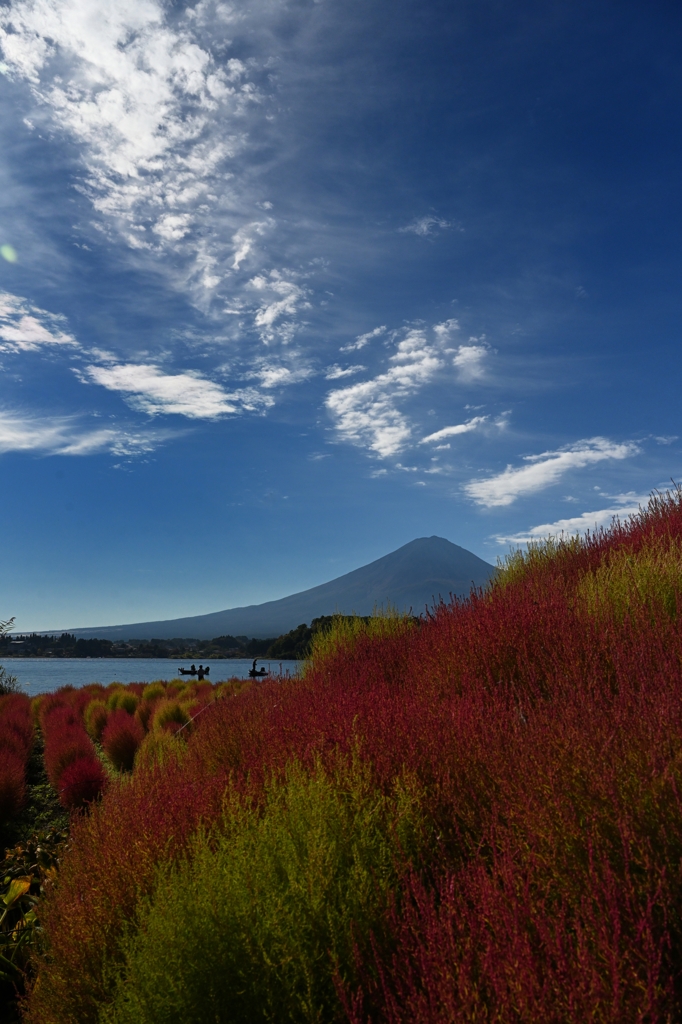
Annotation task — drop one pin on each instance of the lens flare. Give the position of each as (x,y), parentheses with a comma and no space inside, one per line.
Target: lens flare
(9,253)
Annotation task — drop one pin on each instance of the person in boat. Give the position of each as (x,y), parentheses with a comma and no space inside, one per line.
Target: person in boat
(200,673)
(254,672)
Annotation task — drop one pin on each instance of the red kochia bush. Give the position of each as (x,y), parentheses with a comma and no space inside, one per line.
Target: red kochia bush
(16,743)
(12,784)
(81,782)
(121,737)
(66,744)
(63,748)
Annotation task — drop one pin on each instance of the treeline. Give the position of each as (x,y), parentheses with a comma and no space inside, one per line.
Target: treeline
(291,645)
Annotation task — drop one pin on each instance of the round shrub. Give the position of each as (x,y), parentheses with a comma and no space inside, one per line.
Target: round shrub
(96,715)
(122,700)
(54,713)
(154,691)
(16,725)
(10,741)
(192,707)
(82,782)
(12,784)
(168,713)
(80,701)
(145,710)
(121,738)
(61,750)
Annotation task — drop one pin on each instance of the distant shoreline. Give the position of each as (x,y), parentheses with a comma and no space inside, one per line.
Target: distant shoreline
(138,657)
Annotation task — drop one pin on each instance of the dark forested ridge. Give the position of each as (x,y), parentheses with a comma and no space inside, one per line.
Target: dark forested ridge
(291,645)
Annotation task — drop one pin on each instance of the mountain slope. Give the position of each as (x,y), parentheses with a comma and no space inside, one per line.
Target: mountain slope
(414,576)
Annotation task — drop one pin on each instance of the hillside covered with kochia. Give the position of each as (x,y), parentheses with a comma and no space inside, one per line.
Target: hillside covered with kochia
(476,818)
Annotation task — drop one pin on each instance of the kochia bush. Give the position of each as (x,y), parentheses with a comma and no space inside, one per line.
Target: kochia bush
(12,784)
(95,719)
(16,743)
(122,699)
(121,737)
(81,782)
(169,715)
(69,752)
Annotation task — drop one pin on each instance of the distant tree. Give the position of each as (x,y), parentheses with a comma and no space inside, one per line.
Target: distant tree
(8,683)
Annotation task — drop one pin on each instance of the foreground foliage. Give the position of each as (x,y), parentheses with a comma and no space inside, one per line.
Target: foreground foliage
(479,819)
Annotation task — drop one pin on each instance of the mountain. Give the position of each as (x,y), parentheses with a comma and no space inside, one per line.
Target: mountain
(413,577)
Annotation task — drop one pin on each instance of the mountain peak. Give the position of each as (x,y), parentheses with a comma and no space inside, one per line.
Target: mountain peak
(414,577)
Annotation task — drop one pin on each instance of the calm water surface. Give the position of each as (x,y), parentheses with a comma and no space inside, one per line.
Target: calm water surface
(39,675)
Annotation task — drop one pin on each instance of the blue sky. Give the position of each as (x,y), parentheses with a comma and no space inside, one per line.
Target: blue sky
(286,284)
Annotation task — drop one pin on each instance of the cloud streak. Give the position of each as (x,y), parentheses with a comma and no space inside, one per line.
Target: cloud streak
(363,339)
(461,428)
(544,470)
(148,389)
(626,505)
(65,436)
(27,328)
(425,226)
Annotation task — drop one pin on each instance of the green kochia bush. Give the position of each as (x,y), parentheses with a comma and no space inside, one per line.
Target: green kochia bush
(259,921)
(122,699)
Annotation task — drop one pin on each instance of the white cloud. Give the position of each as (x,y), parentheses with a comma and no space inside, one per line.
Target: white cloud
(336,372)
(280,298)
(158,114)
(244,239)
(425,226)
(469,361)
(26,328)
(367,413)
(544,470)
(460,428)
(625,505)
(148,389)
(363,339)
(65,436)
(275,375)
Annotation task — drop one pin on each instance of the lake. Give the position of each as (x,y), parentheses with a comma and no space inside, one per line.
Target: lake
(40,675)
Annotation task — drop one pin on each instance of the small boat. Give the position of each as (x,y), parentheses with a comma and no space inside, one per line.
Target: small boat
(201,671)
(257,673)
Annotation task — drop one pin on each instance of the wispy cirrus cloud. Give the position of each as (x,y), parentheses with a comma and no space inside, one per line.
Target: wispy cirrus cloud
(364,339)
(368,413)
(146,388)
(163,117)
(337,372)
(157,117)
(623,505)
(544,470)
(66,435)
(425,226)
(27,328)
(280,300)
(460,428)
